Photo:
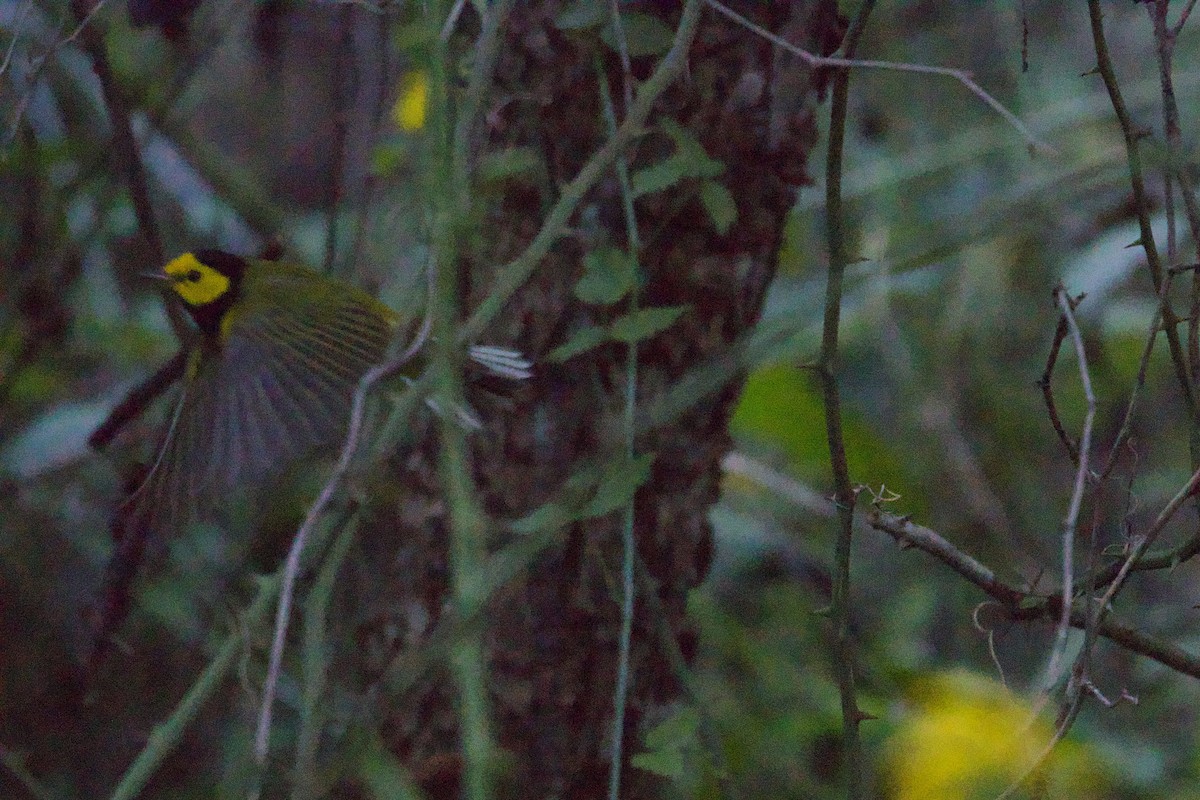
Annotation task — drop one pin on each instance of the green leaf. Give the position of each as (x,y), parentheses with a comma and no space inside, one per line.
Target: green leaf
(618,485)
(667,763)
(678,730)
(691,152)
(668,744)
(610,275)
(574,494)
(689,161)
(382,774)
(657,177)
(498,166)
(644,323)
(388,158)
(718,202)
(581,341)
(544,517)
(685,143)
(645,35)
(581,14)
(415,36)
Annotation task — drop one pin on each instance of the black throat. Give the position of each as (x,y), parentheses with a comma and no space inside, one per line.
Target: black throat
(208,316)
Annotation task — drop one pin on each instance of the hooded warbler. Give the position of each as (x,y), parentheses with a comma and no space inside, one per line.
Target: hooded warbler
(270,377)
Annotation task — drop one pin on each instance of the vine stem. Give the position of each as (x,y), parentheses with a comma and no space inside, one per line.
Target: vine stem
(827,366)
(628,541)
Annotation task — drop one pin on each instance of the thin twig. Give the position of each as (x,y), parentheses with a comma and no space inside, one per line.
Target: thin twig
(452,20)
(125,145)
(315,667)
(1053,668)
(1183,17)
(451,184)
(464,153)
(1093,622)
(1132,135)
(628,543)
(138,399)
(910,534)
(1164,40)
(1060,731)
(125,150)
(1082,667)
(343,78)
(53,48)
(315,512)
(1127,419)
(1143,366)
(15,765)
(787,487)
(1169,213)
(962,76)
(349,446)
(1147,539)
(614,9)
(1046,383)
(18,23)
(408,665)
(167,734)
(1058,652)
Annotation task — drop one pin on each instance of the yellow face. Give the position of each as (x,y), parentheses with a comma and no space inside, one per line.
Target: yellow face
(196,284)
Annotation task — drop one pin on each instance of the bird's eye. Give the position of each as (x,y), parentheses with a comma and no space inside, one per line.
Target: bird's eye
(194,275)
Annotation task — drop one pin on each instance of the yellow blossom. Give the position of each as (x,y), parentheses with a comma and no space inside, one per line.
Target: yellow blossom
(969,738)
(409,111)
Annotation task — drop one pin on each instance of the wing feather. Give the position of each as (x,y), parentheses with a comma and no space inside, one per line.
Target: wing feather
(270,437)
(286,395)
(279,386)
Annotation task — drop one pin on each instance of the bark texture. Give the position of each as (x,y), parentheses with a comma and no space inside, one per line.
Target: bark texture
(552,632)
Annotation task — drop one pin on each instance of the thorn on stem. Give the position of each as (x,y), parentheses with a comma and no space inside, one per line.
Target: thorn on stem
(863,716)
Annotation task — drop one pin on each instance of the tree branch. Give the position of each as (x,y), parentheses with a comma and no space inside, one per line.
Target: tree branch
(1021,605)
(1132,134)
(815,61)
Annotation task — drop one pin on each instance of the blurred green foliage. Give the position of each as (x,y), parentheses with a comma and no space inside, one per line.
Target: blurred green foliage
(948,321)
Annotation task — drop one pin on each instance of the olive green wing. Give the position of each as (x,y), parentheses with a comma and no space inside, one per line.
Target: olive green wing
(292,378)
(279,386)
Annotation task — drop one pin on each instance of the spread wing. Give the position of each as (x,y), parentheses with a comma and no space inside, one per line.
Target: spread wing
(279,386)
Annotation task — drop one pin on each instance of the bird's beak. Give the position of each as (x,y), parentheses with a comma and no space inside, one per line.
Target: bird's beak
(157,277)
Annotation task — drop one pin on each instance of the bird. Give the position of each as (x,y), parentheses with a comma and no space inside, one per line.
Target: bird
(270,377)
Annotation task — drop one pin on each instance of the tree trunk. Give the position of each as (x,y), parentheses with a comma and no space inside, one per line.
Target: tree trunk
(552,632)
